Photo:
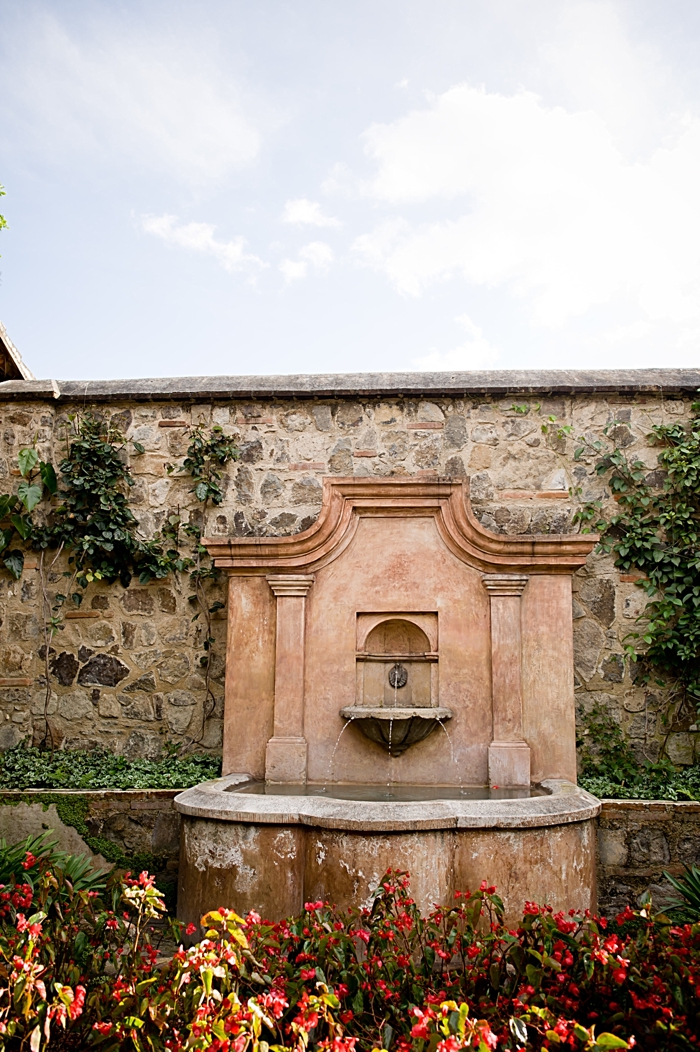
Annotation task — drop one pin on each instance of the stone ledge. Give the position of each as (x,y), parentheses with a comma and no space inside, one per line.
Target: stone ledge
(647,807)
(356,385)
(217,801)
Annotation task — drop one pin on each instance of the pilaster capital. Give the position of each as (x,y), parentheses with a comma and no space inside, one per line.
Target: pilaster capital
(505,583)
(284,584)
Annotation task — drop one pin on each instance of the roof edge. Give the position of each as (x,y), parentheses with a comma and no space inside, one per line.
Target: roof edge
(357,385)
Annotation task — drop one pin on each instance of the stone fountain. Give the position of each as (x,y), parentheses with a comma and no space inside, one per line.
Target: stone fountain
(399,692)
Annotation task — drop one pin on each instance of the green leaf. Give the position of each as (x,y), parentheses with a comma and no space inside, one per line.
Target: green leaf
(29,494)
(138,447)
(27,459)
(201,491)
(48,477)
(7,502)
(610,1041)
(22,526)
(5,538)
(14,561)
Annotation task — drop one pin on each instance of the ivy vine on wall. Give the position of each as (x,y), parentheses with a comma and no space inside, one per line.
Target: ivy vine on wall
(655,532)
(82,512)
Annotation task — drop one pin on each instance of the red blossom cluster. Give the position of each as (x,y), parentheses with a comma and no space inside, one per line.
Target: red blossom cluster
(86,973)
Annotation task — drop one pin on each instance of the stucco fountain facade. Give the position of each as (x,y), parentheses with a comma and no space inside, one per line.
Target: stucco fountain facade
(384,668)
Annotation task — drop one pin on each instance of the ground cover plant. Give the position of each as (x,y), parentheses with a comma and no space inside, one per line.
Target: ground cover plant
(80,968)
(609,768)
(27,767)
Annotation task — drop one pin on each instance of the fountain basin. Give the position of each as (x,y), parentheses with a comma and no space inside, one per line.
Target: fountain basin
(396,728)
(274,851)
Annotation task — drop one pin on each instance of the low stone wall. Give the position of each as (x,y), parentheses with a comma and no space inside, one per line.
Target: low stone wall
(637,841)
(134,828)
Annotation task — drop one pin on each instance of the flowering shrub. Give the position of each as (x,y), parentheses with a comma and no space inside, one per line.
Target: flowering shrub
(81,969)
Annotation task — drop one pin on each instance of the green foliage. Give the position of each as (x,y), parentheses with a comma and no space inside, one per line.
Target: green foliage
(206,456)
(687,909)
(83,971)
(93,521)
(26,767)
(3,221)
(656,531)
(24,861)
(609,768)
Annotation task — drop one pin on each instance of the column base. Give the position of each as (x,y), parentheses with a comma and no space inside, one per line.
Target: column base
(285,760)
(509,764)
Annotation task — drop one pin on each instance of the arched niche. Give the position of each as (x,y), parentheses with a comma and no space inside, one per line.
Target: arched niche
(397,666)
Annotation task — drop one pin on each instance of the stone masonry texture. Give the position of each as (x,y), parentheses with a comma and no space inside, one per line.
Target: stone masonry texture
(126,671)
(637,840)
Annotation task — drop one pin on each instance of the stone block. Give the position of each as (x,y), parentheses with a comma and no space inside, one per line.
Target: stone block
(101,633)
(103,670)
(138,601)
(455,433)
(271,488)
(323,418)
(340,461)
(589,640)
(349,414)
(485,434)
(612,847)
(64,667)
(146,683)
(307,491)
(649,847)
(75,706)
(429,411)
(108,707)
(680,748)
(173,666)
(599,596)
(244,484)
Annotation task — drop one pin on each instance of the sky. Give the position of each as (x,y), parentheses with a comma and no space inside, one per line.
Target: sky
(290,186)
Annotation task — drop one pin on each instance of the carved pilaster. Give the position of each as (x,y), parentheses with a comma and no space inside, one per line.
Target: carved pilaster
(509,753)
(285,758)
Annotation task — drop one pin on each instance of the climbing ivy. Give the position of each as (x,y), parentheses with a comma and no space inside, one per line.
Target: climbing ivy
(84,514)
(655,531)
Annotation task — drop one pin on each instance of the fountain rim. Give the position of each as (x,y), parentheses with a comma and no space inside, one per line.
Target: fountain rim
(214,801)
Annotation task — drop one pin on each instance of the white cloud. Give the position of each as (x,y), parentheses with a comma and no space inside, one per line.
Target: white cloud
(127,97)
(199,237)
(301,212)
(316,253)
(294,270)
(475,353)
(542,204)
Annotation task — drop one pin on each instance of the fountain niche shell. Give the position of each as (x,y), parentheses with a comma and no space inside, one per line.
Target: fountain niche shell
(396,728)
(350,647)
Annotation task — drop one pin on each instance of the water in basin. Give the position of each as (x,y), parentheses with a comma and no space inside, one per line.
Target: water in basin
(390,794)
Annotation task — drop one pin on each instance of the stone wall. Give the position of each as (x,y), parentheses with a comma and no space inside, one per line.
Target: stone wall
(125,669)
(637,841)
(135,828)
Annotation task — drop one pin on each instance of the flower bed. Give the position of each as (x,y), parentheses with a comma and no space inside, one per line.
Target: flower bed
(80,968)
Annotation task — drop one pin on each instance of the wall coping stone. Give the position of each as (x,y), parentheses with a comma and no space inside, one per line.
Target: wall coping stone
(687,806)
(355,385)
(94,794)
